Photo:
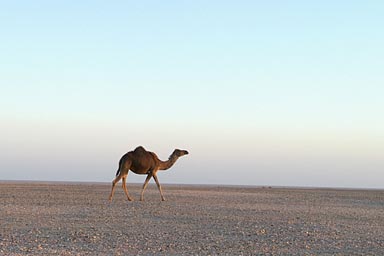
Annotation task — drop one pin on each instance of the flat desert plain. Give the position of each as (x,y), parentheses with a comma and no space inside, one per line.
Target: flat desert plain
(78,219)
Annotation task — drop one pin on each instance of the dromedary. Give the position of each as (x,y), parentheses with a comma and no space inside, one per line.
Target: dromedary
(141,161)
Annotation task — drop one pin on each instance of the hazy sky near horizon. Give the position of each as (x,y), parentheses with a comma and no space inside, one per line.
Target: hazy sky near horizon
(283,93)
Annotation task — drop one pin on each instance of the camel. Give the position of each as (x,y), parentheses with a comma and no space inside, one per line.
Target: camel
(141,161)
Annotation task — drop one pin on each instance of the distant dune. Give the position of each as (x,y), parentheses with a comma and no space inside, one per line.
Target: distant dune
(77,219)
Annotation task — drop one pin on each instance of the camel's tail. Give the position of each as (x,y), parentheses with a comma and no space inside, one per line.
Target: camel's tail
(119,170)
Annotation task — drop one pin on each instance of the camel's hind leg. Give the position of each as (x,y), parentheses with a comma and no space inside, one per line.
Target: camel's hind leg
(125,188)
(114,182)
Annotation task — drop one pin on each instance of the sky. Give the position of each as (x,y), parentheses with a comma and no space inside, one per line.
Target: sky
(264,93)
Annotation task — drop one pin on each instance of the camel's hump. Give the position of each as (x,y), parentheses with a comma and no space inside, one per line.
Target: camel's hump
(140,149)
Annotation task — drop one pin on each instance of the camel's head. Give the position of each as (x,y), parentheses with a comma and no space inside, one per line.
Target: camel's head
(179,152)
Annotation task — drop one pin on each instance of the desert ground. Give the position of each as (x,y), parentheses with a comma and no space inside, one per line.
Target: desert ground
(77,219)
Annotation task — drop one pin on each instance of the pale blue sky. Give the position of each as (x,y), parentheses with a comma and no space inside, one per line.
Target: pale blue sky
(283,93)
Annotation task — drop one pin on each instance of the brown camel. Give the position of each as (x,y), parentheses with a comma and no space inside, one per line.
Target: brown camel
(141,161)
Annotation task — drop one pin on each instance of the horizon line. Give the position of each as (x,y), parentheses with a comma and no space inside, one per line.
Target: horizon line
(218,185)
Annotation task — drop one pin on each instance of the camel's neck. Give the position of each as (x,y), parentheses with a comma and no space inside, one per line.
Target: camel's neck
(165,165)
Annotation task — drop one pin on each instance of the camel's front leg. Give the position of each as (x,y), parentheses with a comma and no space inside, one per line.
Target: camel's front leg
(159,187)
(145,186)
(125,189)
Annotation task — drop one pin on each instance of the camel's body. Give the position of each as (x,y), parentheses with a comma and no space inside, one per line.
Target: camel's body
(141,161)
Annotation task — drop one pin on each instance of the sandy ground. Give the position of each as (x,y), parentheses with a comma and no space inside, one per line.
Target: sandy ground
(75,219)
